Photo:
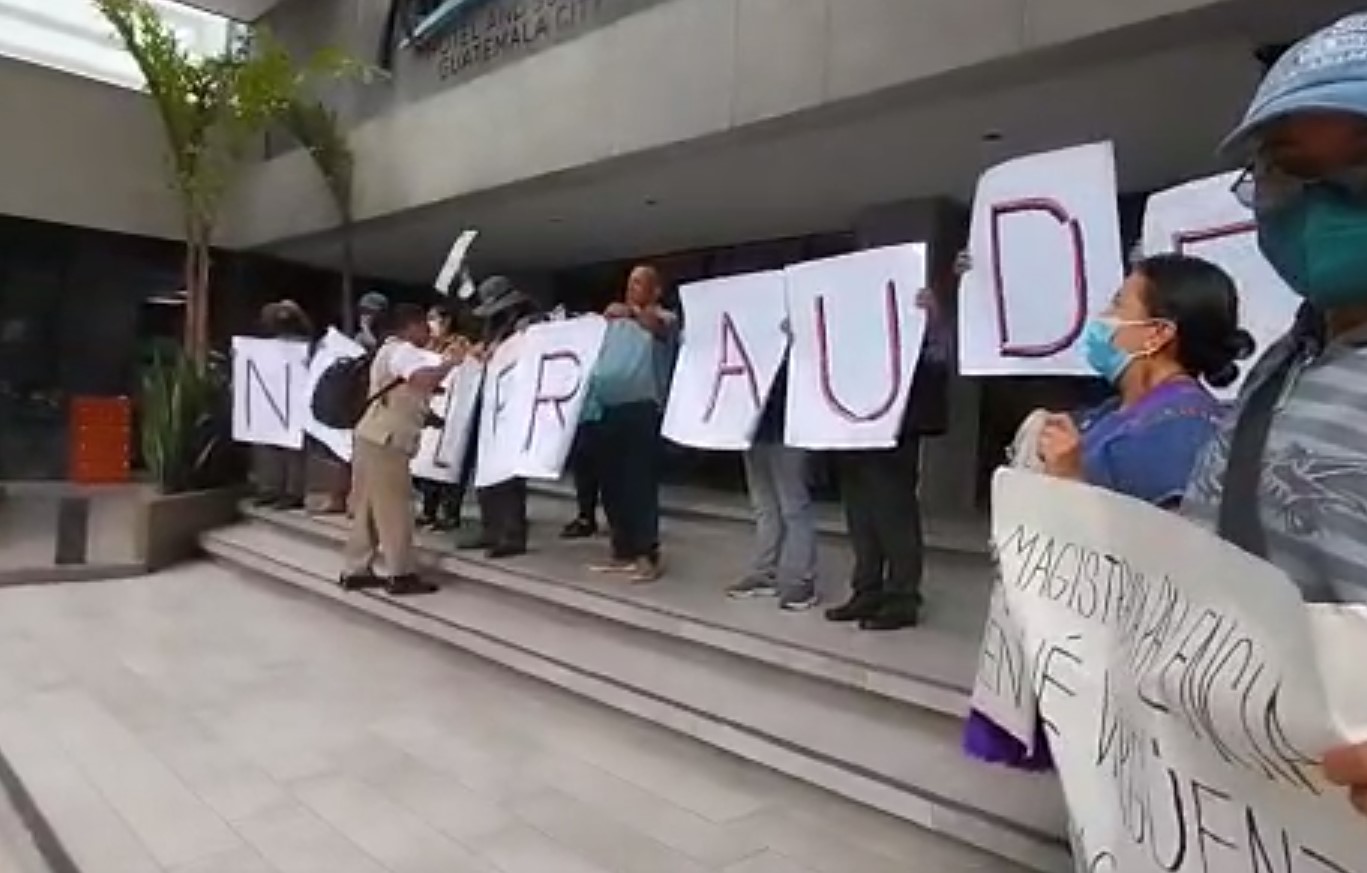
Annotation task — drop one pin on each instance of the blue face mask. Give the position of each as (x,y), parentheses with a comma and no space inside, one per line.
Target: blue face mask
(1318,244)
(1098,344)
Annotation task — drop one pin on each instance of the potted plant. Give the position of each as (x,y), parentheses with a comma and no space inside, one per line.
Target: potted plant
(185,437)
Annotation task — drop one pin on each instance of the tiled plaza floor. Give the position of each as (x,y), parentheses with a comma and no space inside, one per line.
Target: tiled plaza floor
(199,722)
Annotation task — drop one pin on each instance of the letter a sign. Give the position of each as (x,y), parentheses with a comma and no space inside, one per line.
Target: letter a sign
(1045,246)
(857,333)
(733,346)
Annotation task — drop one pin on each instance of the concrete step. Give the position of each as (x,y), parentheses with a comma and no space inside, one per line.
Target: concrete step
(965,535)
(930,670)
(890,753)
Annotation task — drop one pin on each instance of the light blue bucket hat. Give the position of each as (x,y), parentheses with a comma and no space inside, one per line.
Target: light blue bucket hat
(1325,72)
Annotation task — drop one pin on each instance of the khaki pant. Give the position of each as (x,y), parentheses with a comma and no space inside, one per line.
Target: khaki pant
(382,510)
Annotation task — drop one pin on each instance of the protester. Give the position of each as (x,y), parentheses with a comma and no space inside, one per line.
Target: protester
(281,474)
(1174,322)
(585,463)
(1284,480)
(880,490)
(441,501)
(785,528)
(627,391)
(506,311)
(402,381)
(372,309)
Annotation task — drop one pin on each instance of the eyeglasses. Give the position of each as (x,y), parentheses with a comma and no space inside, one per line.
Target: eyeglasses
(1264,186)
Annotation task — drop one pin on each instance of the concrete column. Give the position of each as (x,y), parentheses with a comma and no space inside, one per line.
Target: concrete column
(949,483)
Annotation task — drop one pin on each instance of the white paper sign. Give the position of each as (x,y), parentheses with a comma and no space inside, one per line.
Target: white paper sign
(498,455)
(1045,249)
(1205,219)
(455,263)
(442,450)
(1178,683)
(857,333)
(733,346)
(334,347)
(557,359)
(270,391)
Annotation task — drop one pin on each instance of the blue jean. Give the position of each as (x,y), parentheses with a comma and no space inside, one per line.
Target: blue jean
(785,528)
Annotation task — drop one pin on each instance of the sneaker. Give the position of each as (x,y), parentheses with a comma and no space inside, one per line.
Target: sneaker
(646,570)
(753,586)
(799,600)
(409,586)
(579,529)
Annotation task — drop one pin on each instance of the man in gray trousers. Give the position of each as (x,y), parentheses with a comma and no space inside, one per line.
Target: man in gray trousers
(785,528)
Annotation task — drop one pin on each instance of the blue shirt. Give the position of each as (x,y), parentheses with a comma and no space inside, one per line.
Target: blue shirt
(1149,450)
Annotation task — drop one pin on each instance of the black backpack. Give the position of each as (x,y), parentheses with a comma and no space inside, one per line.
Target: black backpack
(343,393)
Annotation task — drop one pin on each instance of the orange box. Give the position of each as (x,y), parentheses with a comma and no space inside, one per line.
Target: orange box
(101,440)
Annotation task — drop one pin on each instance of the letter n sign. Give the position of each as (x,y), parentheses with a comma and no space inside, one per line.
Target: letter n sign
(1072,228)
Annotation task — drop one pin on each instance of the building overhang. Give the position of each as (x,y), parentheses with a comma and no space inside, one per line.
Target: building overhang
(238,10)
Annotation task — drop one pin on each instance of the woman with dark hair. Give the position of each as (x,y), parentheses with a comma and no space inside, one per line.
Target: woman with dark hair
(1173,325)
(441,501)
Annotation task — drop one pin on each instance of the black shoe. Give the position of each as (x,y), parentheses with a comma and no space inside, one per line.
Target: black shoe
(289,504)
(579,529)
(507,550)
(265,501)
(859,608)
(360,581)
(424,522)
(890,620)
(409,586)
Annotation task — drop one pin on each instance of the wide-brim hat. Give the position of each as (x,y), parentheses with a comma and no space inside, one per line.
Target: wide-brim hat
(1325,72)
(497,294)
(373,301)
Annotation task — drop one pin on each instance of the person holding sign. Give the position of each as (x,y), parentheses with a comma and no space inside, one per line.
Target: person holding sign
(506,312)
(1174,323)
(1287,478)
(281,474)
(441,501)
(626,391)
(402,380)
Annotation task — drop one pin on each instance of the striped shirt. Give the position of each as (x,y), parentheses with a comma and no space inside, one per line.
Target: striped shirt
(1313,489)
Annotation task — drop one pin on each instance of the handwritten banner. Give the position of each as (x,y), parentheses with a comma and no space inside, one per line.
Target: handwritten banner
(1178,684)
(732,351)
(1205,219)
(498,454)
(270,392)
(557,359)
(857,334)
(1045,249)
(442,450)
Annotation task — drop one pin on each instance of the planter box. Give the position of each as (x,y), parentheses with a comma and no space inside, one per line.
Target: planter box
(169,525)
